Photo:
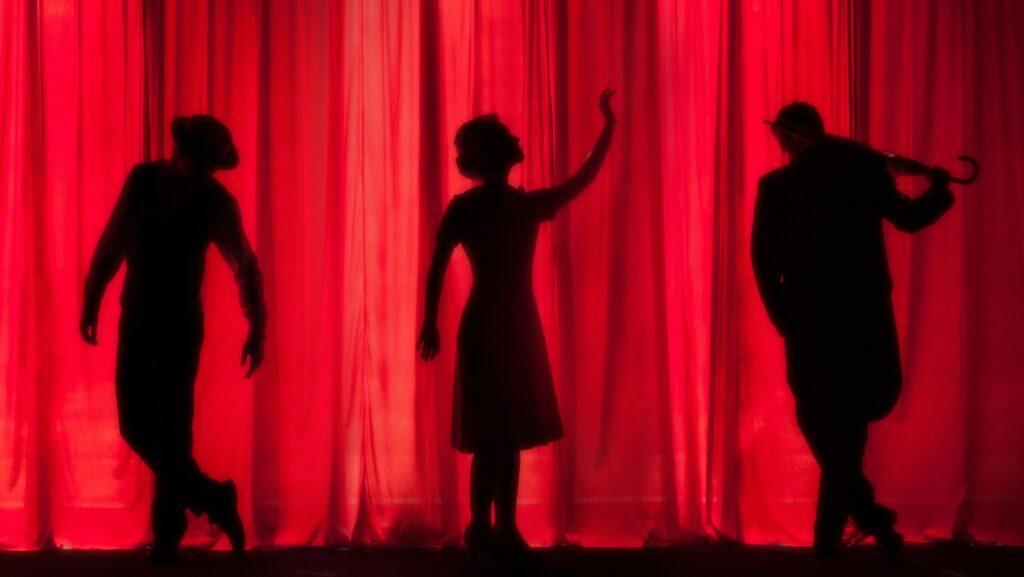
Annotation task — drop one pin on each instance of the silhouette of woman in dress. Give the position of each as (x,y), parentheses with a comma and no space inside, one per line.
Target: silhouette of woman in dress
(504,398)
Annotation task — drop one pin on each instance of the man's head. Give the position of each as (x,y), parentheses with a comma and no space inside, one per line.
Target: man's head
(202,144)
(800,116)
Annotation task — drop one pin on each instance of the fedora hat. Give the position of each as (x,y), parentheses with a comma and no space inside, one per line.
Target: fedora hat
(206,139)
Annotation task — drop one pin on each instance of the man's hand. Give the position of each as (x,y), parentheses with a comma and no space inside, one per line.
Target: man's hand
(87,328)
(430,341)
(253,351)
(939,178)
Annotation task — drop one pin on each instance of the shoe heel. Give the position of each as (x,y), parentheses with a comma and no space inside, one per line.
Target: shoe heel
(475,542)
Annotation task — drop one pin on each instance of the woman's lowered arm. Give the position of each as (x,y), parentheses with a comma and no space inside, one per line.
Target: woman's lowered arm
(429,343)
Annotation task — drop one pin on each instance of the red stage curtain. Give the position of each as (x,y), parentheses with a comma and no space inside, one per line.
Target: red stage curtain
(679,424)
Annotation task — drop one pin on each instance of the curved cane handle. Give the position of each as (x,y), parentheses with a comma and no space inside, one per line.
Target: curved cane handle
(974,170)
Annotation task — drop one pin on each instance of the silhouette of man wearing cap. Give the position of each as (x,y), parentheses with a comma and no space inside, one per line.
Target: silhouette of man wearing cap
(820,263)
(167,215)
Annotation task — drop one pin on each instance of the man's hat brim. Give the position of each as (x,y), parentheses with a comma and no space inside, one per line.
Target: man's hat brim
(224,158)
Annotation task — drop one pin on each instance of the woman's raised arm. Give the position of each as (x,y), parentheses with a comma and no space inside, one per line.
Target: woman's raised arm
(550,200)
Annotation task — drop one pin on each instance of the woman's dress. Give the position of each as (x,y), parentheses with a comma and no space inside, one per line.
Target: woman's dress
(504,392)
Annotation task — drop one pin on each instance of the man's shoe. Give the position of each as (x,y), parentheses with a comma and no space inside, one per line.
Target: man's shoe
(891,542)
(163,555)
(225,515)
(830,551)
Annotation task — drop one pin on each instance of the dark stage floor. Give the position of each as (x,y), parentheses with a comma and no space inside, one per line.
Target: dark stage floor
(719,560)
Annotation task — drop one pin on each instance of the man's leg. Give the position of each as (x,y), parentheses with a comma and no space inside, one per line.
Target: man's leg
(142,431)
(833,503)
(869,515)
(168,510)
(821,435)
(838,444)
(219,500)
(200,493)
(181,484)
(142,412)
(171,458)
(873,518)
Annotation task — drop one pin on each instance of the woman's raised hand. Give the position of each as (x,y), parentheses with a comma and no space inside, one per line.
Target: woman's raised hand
(605,104)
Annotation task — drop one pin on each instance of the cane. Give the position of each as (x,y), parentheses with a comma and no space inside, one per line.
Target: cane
(897,164)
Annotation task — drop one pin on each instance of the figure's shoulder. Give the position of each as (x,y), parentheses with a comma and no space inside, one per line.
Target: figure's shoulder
(218,188)
(845,153)
(142,178)
(775,179)
(149,166)
(465,199)
(220,197)
(148,170)
(470,193)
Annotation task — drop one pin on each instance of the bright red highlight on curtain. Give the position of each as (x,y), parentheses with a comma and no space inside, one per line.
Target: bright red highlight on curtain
(671,384)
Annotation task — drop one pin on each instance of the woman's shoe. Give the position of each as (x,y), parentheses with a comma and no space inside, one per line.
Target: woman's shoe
(510,543)
(479,540)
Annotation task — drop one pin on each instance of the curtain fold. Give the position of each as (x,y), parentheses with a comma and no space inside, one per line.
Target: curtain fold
(671,382)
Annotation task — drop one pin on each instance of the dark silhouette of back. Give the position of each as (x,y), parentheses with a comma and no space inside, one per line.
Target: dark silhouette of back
(167,215)
(820,263)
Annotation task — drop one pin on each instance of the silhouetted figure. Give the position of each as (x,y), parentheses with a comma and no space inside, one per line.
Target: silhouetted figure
(504,393)
(820,262)
(165,219)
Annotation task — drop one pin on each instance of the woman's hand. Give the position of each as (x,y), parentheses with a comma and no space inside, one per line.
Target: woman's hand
(548,201)
(430,341)
(605,104)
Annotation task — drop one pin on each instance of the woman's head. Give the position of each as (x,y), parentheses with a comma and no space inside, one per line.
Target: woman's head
(486,147)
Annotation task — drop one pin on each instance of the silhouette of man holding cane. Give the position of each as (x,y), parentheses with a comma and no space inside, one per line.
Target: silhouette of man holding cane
(820,263)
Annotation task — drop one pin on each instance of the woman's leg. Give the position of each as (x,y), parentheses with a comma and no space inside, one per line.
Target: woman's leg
(506,493)
(483,476)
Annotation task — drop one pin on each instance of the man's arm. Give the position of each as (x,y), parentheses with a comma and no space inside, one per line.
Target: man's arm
(765,253)
(913,214)
(229,236)
(106,259)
